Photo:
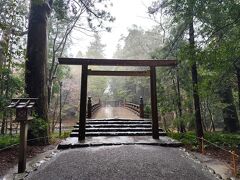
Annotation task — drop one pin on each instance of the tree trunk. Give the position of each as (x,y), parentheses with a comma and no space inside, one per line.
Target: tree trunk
(212,125)
(198,119)
(54,119)
(238,82)
(3,122)
(229,112)
(179,103)
(49,92)
(36,64)
(10,123)
(3,65)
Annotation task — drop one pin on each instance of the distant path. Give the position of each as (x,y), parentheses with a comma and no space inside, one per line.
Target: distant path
(114,112)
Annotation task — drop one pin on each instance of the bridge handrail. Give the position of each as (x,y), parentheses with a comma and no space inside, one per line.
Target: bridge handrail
(136,108)
(129,104)
(92,108)
(96,106)
(132,106)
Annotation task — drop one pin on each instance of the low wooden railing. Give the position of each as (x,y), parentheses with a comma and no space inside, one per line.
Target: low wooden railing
(136,108)
(92,108)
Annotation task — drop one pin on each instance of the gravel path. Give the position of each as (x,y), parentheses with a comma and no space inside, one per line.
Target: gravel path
(114,112)
(122,162)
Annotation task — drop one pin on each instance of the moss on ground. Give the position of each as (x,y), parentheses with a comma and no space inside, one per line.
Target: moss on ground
(8,140)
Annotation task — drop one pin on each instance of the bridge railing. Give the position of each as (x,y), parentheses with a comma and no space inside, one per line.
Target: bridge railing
(136,108)
(92,108)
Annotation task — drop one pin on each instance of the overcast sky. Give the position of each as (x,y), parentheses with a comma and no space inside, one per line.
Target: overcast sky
(127,13)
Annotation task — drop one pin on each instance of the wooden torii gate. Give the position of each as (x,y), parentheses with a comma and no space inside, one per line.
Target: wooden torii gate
(85,62)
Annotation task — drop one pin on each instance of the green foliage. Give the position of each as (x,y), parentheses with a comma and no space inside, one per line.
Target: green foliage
(8,140)
(96,48)
(55,136)
(227,140)
(38,130)
(187,120)
(67,16)
(37,2)
(137,44)
(188,138)
(224,139)
(13,15)
(147,110)
(216,52)
(60,7)
(65,134)
(96,85)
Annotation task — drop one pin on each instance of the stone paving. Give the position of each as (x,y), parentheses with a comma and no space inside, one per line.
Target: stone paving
(72,142)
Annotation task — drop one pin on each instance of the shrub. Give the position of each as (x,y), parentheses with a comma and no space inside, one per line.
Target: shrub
(38,132)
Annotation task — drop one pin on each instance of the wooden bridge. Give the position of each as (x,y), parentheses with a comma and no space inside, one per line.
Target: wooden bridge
(114,112)
(115,109)
(116,118)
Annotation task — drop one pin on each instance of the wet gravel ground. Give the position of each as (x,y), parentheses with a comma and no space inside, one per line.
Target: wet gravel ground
(122,162)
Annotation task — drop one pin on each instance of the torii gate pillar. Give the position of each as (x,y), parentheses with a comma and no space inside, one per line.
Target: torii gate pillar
(155,131)
(83,103)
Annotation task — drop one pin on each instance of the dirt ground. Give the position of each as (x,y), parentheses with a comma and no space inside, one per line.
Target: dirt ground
(9,157)
(221,155)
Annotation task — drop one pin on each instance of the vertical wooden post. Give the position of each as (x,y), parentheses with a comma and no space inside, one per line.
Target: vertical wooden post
(155,132)
(234,164)
(202,145)
(89,107)
(83,101)
(60,109)
(141,106)
(22,106)
(23,147)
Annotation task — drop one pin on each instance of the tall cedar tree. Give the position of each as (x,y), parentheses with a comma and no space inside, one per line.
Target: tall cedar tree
(36,64)
(198,119)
